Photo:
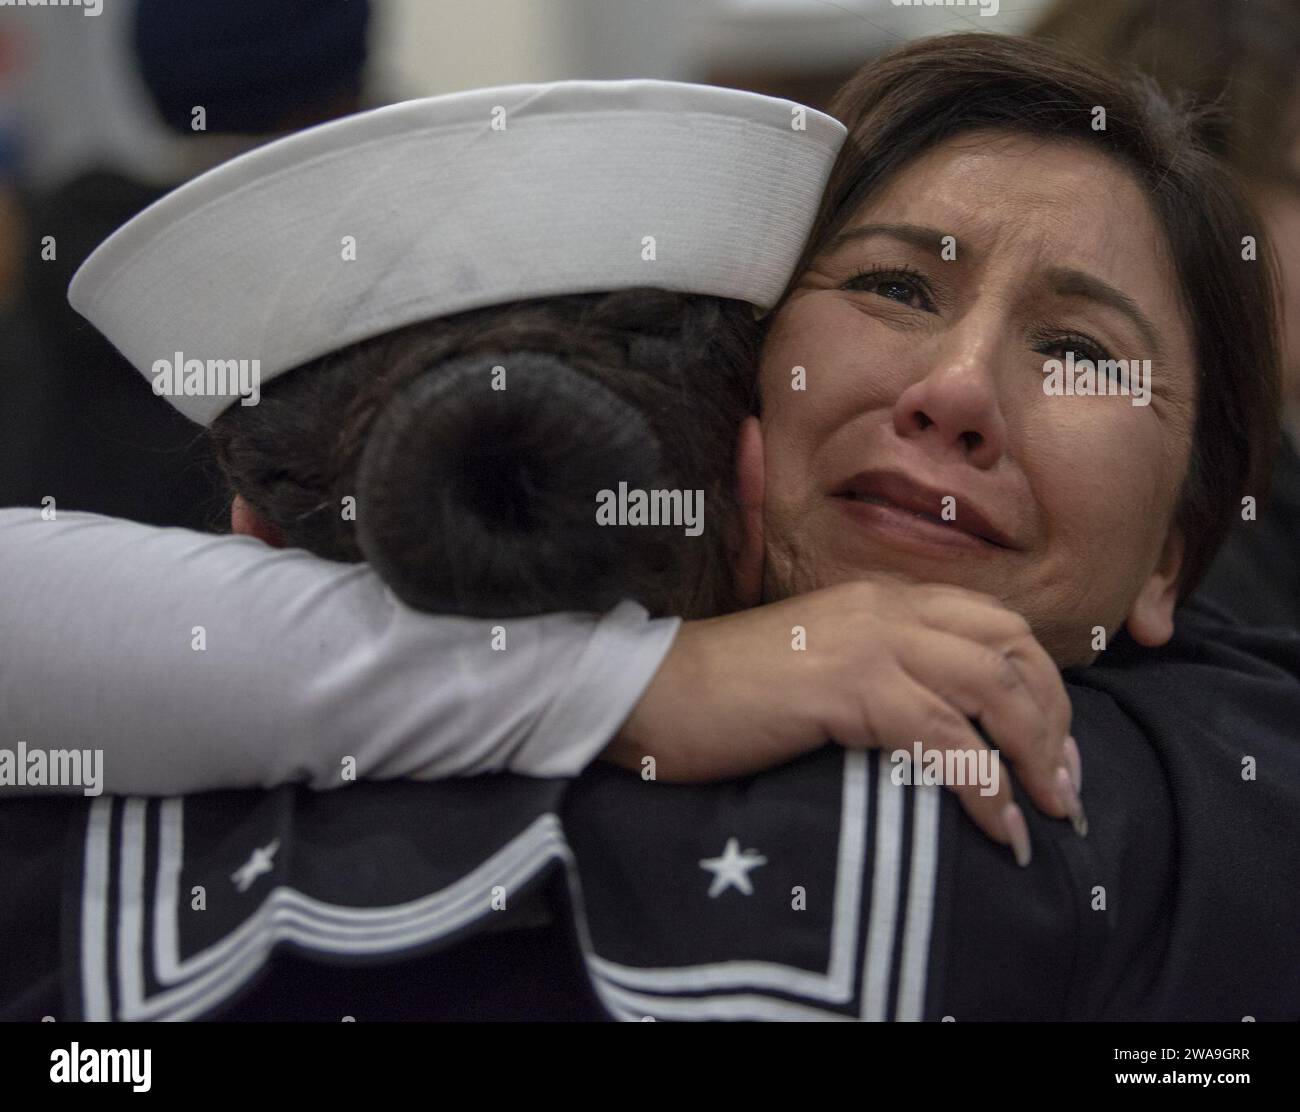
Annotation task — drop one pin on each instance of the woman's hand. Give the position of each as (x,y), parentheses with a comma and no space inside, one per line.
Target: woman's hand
(885,664)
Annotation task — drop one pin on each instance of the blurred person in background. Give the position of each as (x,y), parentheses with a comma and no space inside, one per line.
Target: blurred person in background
(10,210)
(88,431)
(1240,61)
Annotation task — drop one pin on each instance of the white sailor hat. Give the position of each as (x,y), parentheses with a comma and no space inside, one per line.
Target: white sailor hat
(418,210)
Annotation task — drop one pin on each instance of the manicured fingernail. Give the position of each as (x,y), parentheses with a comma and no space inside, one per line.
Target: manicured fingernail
(1074,763)
(1071,802)
(1013,823)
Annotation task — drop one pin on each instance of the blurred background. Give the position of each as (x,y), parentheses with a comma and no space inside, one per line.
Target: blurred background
(97,121)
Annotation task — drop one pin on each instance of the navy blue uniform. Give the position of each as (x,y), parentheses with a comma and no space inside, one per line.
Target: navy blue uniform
(817,890)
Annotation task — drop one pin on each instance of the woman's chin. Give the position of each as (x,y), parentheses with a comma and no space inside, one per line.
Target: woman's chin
(919,561)
(1070,640)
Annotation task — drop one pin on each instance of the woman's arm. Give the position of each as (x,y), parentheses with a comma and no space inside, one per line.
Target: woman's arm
(197,662)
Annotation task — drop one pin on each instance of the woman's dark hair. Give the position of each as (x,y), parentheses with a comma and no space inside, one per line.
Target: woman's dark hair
(917,97)
(475,447)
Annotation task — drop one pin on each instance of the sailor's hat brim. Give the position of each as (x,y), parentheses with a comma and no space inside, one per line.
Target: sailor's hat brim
(430,207)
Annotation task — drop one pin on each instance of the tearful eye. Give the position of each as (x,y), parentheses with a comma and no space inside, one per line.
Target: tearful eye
(901,285)
(895,290)
(1082,346)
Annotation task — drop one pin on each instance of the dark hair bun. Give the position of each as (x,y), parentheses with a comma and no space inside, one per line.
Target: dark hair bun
(482,501)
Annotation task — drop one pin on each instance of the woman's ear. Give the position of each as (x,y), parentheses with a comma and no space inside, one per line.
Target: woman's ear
(1151,620)
(249,523)
(747,559)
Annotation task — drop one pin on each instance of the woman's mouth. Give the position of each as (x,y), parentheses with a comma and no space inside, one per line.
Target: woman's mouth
(898,509)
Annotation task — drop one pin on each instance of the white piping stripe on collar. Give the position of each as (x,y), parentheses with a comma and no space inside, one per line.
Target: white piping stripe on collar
(202,981)
(920,905)
(878,956)
(95,1002)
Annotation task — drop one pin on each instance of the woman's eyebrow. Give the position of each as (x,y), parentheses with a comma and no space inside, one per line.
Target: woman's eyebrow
(917,235)
(1068,282)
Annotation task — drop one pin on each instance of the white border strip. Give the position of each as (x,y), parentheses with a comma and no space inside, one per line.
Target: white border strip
(920,905)
(95,1006)
(878,956)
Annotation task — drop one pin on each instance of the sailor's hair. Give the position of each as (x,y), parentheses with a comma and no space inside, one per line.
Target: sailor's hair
(471,450)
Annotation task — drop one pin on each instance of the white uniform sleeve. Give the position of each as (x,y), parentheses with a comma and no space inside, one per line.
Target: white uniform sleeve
(198,662)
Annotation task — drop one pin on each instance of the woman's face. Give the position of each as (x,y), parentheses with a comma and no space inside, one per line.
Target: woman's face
(923,442)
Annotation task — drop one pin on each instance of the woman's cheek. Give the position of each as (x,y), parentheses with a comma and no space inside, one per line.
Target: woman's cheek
(1154,455)
(1100,475)
(834,358)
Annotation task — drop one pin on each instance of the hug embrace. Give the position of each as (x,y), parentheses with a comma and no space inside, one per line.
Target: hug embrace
(442,720)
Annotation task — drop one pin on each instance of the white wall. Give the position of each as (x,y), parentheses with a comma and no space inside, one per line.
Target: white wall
(425,47)
(433,46)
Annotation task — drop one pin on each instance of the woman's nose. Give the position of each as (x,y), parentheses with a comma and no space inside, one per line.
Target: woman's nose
(955,410)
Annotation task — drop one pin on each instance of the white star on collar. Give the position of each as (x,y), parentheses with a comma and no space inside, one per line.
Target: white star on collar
(259,862)
(732,869)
